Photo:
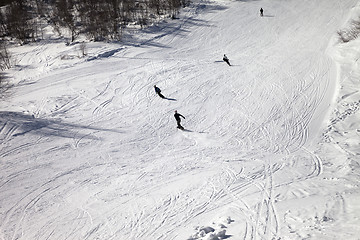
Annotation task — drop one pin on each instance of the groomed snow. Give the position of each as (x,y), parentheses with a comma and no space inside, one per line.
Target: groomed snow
(270,151)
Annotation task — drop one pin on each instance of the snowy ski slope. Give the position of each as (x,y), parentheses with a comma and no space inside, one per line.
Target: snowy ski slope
(88,151)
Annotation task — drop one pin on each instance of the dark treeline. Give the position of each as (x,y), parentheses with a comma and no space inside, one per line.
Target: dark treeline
(24,20)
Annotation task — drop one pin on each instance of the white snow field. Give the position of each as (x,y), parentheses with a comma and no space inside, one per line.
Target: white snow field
(270,151)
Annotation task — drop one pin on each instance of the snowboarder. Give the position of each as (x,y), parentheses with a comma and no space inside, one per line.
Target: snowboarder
(261,12)
(158,91)
(178,120)
(226,59)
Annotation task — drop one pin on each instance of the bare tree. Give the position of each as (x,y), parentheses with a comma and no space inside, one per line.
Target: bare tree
(4,85)
(114,18)
(99,20)
(3,27)
(156,5)
(5,57)
(64,15)
(83,49)
(5,2)
(4,64)
(174,6)
(143,17)
(17,20)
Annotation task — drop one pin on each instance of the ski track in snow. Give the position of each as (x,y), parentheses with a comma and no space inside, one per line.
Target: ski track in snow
(90,152)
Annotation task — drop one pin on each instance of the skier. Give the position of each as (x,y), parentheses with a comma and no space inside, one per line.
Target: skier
(158,91)
(178,120)
(261,12)
(225,59)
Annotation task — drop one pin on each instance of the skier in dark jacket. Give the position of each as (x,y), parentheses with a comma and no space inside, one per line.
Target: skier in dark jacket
(261,12)
(178,119)
(158,91)
(225,59)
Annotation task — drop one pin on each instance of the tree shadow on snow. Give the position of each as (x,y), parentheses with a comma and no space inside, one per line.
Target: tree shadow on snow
(210,7)
(24,123)
(106,54)
(170,27)
(160,32)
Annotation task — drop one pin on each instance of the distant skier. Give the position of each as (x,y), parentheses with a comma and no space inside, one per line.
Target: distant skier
(178,120)
(158,91)
(261,12)
(226,59)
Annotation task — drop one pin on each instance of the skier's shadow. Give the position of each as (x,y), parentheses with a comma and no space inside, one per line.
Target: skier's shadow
(224,62)
(184,129)
(170,99)
(269,16)
(163,97)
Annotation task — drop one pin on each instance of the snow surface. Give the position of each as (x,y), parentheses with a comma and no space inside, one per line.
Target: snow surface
(270,151)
